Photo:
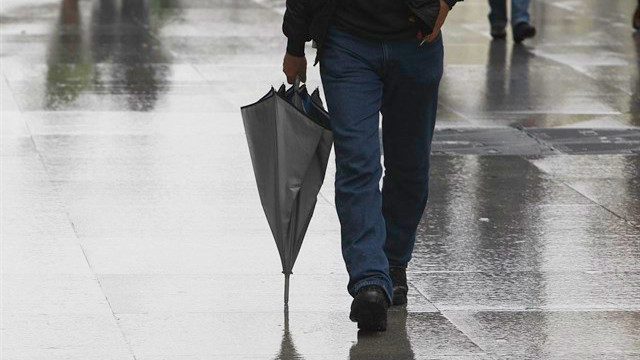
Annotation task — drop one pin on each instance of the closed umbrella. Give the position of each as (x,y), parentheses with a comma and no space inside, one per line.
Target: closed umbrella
(289,142)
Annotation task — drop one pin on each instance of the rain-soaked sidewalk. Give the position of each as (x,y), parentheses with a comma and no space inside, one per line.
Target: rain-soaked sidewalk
(132,228)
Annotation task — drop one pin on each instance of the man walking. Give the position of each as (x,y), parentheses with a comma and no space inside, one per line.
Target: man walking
(376,56)
(519,20)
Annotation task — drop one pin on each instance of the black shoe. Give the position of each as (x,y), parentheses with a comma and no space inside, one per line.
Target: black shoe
(400,288)
(498,32)
(636,19)
(369,309)
(523,31)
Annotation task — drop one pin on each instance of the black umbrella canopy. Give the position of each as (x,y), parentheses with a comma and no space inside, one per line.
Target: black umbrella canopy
(289,142)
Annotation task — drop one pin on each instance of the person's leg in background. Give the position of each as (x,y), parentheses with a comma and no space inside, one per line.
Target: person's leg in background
(520,20)
(350,69)
(520,12)
(410,101)
(636,17)
(498,18)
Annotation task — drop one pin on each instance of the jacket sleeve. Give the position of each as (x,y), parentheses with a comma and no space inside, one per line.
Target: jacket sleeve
(297,20)
(427,11)
(451,3)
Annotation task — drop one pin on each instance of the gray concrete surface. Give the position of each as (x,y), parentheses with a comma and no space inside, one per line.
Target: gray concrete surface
(131,225)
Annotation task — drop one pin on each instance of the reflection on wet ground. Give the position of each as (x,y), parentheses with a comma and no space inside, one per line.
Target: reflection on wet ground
(131,226)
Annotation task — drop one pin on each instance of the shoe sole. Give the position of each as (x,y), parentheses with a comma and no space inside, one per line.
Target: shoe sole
(399,299)
(528,34)
(372,318)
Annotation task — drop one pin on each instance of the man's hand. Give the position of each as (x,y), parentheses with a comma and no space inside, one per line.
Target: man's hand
(442,16)
(293,66)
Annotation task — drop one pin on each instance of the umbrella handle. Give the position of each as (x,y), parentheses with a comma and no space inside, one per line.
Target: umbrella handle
(296,84)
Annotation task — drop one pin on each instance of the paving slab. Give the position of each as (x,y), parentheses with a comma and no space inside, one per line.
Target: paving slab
(608,180)
(62,336)
(177,294)
(553,335)
(53,294)
(527,290)
(314,334)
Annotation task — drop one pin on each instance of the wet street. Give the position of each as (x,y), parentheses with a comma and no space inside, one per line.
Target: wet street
(132,227)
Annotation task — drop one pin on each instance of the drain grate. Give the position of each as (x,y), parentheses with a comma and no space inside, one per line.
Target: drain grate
(589,141)
(486,141)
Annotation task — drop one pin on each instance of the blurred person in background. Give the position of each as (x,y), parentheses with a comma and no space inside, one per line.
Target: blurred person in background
(636,17)
(520,18)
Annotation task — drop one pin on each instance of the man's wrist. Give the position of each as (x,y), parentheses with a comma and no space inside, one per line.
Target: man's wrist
(295,47)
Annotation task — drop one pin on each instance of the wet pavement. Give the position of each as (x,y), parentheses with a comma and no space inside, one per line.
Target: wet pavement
(132,229)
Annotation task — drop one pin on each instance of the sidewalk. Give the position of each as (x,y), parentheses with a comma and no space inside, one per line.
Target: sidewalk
(132,229)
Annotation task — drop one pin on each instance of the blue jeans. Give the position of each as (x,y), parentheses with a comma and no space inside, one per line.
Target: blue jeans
(362,79)
(519,12)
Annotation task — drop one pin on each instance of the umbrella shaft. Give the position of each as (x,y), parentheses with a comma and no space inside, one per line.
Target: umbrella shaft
(286,289)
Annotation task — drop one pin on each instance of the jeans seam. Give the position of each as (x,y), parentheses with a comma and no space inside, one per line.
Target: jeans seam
(385,59)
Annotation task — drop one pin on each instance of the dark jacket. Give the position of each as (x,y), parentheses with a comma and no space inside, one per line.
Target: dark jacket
(306,20)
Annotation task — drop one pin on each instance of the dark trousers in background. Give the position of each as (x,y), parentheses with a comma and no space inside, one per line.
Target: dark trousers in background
(362,79)
(519,12)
